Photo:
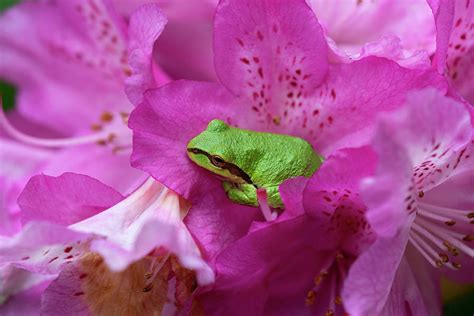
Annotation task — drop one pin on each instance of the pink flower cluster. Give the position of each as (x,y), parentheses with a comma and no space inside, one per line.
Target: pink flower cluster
(102,211)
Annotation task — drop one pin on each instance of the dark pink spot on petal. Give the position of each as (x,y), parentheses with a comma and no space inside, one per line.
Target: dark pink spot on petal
(55,258)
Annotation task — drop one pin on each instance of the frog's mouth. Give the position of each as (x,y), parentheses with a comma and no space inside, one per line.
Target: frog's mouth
(237,175)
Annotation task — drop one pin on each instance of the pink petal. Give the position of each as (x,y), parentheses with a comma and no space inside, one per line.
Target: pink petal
(98,162)
(291,192)
(332,197)
(66,70)
(66,199)
(460,58)
(146,25)
(370,278)
(355,23)
(455,51)
(255,275)
(443,12)
(166,121)
(405,297)
(354,95)
(263,48)
(216,222)
(184,50)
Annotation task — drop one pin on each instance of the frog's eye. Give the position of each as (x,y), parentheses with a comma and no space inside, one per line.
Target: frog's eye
(217,161)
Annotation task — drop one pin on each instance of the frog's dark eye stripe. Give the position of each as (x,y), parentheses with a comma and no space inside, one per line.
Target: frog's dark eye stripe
(217,161)
(221,163)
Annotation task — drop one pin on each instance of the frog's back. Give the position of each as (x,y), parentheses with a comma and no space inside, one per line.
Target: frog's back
(282,157)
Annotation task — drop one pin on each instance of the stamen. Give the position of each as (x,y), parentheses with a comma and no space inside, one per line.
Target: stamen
(456,265)
(319,278)
(451,237)
(310,298)
(452,213)
(45,142)
(154,270)
(423,248)
(263,202)
(468,237)
(430,215)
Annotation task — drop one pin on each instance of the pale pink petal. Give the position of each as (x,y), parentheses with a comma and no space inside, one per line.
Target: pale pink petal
(146,25)
(149,218)
(371,276)
(405,297)
(43,247)
(10,222)
(351,24)
(263,48)
(430,128)
(426,278)
(19,160)
(66,199)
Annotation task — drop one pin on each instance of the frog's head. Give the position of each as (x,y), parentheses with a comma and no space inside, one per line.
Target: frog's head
(212,150)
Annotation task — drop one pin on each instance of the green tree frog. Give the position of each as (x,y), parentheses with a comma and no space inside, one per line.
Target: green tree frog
(247,160)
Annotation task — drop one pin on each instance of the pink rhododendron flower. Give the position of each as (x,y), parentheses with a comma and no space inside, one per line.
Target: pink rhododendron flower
(69,233)
(420,203)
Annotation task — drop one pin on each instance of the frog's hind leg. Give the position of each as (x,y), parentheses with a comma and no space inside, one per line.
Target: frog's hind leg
(241,193)
(274,198)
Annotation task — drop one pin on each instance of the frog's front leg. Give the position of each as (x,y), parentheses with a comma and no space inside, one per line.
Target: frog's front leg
(241,193)
(274,198)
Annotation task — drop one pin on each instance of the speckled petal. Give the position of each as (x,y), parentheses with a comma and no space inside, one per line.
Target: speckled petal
(264,49)
(146,25)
